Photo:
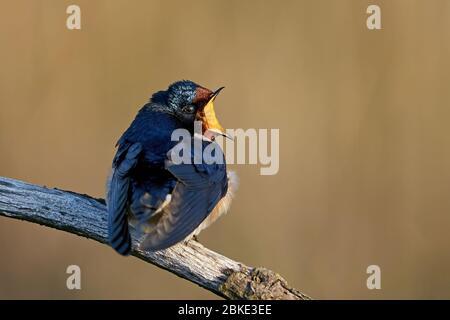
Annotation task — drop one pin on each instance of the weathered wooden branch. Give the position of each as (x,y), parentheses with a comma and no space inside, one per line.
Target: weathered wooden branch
(86,216)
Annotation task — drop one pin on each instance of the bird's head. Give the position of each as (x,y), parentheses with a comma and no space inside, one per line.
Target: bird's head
(191,102)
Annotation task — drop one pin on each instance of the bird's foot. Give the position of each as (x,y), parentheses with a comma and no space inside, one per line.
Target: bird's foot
(191,238)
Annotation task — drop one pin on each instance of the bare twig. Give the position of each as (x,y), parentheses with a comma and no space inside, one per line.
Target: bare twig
(86,216)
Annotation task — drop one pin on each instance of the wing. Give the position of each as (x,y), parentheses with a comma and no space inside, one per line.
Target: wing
(198,189)
(118,197)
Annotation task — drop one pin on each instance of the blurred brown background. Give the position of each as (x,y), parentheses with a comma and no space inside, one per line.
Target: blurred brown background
(363,116)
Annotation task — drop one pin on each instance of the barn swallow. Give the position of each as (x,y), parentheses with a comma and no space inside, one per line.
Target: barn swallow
(166,202)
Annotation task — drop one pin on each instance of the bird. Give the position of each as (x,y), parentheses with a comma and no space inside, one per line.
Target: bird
(167,202)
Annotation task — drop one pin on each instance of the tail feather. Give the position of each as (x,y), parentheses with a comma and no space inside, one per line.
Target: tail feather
(118,200)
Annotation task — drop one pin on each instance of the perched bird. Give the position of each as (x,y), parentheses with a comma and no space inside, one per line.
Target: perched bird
(164,201)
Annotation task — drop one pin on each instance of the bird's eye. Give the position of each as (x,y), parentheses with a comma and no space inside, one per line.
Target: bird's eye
(188,109)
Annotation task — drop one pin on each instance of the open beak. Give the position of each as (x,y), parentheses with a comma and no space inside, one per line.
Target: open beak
(210,125)
(216,93)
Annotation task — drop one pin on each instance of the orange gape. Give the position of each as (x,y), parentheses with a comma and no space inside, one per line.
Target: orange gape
(209,120)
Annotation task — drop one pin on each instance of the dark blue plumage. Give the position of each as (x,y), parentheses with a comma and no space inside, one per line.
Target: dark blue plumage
(198,190)
(141,180)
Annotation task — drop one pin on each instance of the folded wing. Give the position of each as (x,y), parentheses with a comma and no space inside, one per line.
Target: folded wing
(198,189)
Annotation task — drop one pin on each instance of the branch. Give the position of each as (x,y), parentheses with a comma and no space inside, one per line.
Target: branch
(86,216)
